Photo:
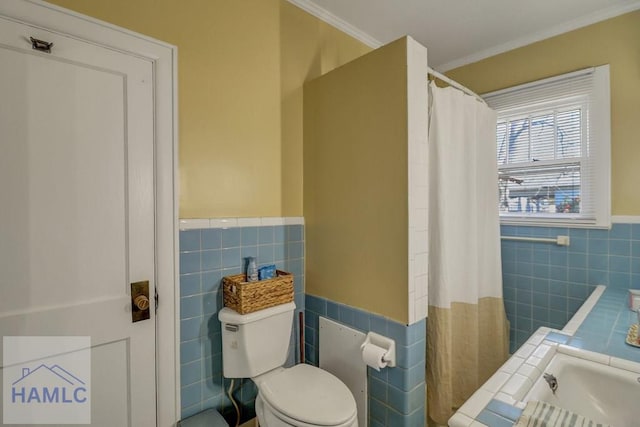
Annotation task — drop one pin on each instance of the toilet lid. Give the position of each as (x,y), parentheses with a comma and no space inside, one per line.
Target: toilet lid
(310,395)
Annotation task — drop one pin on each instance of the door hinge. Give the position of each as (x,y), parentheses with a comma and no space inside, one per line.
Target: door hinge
(155,296)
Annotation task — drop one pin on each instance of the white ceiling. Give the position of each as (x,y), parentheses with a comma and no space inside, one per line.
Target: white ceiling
(458,32)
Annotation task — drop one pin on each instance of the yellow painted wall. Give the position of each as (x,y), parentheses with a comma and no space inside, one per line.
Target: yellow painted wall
(615,42)
(241,69)
(355,183)
(308,48)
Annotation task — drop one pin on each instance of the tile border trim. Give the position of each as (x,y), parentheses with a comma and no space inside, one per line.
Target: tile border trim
(625,219)
(198,223)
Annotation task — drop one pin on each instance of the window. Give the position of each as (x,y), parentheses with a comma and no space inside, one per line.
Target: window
(553,150)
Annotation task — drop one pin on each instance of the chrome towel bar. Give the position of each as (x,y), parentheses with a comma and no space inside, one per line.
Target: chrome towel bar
(558,240)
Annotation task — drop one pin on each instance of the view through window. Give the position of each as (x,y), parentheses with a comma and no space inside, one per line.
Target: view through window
(553,149)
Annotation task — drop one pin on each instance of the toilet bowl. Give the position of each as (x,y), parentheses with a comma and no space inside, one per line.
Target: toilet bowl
(255,345)
(304,396)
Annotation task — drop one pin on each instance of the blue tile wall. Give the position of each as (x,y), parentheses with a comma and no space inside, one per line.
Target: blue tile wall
(545,284)
(206,256)
(605,328)
(396,395)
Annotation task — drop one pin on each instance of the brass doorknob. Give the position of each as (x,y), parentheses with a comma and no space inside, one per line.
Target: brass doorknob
(142,302)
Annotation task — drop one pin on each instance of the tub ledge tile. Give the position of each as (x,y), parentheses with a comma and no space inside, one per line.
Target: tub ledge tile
(512,364)
(517,386)
(476,403)
(584,354)
(460,420)
(627,365)
(530,372)
(496,381)
(525,351)
(506,398)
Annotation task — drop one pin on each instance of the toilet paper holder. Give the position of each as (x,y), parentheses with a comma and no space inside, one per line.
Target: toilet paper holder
(384,342)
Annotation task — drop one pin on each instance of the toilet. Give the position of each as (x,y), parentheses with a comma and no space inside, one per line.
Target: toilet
(255,345)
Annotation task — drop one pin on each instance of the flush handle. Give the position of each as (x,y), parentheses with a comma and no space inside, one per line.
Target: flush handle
(140,307)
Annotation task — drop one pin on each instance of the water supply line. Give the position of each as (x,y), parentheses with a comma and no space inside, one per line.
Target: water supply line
(301,336)
(235,405)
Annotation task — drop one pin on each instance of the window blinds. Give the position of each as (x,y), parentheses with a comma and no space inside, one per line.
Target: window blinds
(553,149)
(528,95)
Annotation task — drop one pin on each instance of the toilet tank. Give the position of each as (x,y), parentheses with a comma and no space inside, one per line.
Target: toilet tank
(257,342)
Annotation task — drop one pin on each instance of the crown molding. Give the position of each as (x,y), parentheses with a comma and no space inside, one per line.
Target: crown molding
(331,19)
(565,27)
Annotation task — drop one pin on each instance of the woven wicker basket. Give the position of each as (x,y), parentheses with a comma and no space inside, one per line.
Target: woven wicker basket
(247,297)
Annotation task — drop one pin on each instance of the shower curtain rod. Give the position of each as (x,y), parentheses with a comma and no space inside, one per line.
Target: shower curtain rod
(455,84)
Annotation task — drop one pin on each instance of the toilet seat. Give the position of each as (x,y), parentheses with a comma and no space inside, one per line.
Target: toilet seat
(308,396)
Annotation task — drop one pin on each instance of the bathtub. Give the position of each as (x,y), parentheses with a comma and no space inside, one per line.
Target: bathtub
(601,392)
(603,386)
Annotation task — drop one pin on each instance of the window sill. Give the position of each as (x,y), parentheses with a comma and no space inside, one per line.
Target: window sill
(555,222)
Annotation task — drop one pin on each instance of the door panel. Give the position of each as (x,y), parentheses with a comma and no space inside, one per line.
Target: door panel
(65,181)
(77,215)
(113,355)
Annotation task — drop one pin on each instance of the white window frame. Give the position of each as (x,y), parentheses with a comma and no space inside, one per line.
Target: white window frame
(599,145)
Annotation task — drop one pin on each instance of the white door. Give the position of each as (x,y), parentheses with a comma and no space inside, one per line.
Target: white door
(77,209)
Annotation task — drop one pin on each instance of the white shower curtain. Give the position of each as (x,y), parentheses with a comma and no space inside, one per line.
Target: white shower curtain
(467,337)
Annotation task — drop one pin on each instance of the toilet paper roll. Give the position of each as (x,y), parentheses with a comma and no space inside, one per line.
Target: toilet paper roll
(372,355)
